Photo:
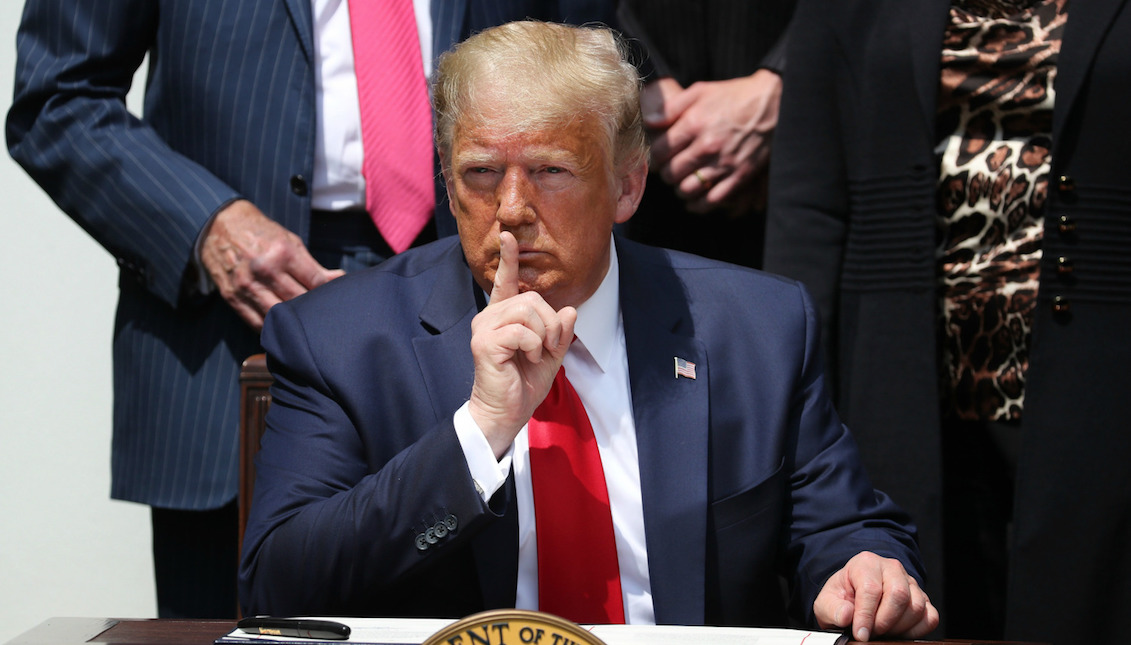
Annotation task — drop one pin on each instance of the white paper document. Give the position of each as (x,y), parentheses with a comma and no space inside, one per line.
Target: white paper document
(413,631)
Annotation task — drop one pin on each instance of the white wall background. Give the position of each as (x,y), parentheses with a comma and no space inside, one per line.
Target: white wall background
(66,549)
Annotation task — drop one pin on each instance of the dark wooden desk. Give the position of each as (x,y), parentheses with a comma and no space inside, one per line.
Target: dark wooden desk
(134,631)
(127,631)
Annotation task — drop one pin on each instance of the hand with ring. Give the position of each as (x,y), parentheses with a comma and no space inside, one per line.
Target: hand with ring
(703,181)
(711,140)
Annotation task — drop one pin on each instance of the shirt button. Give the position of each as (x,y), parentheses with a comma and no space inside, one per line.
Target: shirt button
(1065,265)
(1066,184)
(1065,225)
(1060,305)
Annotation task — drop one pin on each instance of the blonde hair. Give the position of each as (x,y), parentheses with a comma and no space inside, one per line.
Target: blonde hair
(542,74)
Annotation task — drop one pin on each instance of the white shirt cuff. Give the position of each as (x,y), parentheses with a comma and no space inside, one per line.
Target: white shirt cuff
(488,473)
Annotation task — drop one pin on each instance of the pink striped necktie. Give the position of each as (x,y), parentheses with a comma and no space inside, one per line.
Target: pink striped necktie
(578,569)
(396,119)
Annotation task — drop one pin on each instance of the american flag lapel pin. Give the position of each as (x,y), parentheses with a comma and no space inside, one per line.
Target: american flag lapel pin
(684,368)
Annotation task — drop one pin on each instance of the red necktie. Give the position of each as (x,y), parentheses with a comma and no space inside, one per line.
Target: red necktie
(578,574)
(396,119)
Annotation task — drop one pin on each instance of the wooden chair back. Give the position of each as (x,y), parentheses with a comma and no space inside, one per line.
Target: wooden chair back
(255,397)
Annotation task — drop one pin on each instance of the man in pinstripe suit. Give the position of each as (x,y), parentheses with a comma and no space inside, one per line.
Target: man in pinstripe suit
(207,204)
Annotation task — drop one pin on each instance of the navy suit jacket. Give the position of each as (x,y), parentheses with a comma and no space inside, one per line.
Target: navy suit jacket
(229,113)
(746,472)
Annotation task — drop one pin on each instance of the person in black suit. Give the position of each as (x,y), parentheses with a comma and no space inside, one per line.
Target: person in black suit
(208,204)
(951,183)
(711,107)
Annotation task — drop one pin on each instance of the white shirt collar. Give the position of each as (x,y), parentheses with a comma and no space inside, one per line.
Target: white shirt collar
(598,318)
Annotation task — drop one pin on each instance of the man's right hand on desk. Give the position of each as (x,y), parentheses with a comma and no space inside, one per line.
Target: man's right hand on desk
(873,596)
(518,342)
(255,263)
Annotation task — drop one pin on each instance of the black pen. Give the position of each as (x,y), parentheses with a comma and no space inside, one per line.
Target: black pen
(295,627)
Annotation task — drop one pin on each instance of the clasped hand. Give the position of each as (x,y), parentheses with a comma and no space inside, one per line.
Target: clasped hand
(712,139)
(518,342)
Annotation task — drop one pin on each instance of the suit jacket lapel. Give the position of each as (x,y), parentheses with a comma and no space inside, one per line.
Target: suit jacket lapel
(923,25)
(671,416)
(446,349)
(302,20)
(1088,24)
(1087,27)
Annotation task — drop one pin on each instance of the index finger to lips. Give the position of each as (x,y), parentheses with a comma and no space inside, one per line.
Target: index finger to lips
(506,275)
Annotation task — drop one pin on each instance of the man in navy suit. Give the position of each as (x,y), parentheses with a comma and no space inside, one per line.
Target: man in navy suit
(207,203)
(395,476)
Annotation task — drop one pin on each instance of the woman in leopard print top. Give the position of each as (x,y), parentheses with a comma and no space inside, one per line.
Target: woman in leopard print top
(950,179)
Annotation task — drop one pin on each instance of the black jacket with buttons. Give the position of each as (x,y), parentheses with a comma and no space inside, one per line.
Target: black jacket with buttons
(852,215)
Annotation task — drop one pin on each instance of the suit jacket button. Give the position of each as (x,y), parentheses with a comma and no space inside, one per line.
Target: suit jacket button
(1065,265)
(1060,305)
(430,535)
(299,186)
(451,522)
(440,530)
(1065,225)
(421,542)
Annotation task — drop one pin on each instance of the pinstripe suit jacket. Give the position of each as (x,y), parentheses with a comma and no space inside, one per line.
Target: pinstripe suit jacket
(229,113)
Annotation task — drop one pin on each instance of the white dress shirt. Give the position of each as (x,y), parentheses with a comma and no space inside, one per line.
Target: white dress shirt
(337,183)
(597,367)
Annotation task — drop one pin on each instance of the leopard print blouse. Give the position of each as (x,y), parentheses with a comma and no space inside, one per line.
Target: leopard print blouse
(994,121)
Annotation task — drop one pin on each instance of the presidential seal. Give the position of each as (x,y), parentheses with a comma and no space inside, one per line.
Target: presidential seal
(513,627)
